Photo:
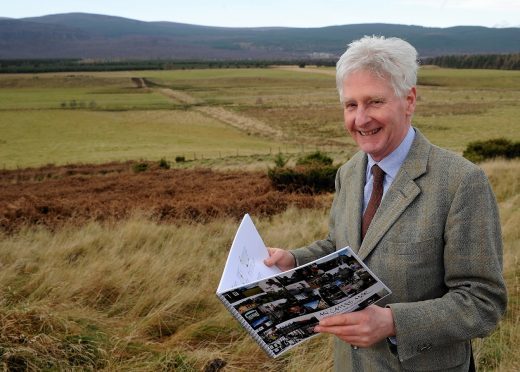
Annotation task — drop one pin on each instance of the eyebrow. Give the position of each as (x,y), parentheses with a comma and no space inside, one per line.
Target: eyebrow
(365,99)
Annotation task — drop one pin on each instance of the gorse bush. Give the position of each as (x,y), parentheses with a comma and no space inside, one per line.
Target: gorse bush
(303,179)
(140,167)
(313,173)
(164,164)
(315,159)
(478,151)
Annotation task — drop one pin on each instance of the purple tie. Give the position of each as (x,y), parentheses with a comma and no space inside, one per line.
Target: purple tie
(375,199)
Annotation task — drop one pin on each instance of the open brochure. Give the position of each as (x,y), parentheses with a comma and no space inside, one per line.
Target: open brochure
(280,309)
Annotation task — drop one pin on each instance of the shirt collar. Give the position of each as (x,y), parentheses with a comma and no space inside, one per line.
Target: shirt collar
(392,163)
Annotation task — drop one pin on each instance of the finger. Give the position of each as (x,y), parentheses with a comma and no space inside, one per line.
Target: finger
(337,330)
(347,334)
(339,320)
(274,256)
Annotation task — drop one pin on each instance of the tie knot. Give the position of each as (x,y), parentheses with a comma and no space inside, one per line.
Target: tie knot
(378,174)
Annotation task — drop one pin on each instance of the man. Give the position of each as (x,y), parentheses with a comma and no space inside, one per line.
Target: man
(423,219)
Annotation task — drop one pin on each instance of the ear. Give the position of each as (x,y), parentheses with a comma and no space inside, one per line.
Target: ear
(411,100)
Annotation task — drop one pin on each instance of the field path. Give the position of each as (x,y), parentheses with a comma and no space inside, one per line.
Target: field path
(242,122)
(238,121)
(139,82)
(179,96)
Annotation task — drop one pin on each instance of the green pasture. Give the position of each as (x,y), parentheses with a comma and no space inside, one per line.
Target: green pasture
(36,137)
(454,107)
(470,78)
(59,91)
(271,86)
(83,117)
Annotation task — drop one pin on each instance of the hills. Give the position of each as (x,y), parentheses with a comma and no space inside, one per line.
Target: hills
(83,35)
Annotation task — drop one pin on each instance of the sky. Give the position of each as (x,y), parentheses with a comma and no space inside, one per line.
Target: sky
(288,13)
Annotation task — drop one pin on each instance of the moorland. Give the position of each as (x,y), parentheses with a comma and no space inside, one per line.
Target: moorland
(108,265)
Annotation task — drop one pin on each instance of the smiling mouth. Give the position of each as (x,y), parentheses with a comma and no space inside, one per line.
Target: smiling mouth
(370,132)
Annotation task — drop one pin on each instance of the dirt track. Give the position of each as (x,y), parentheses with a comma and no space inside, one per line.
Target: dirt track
(229,117)
(54,196)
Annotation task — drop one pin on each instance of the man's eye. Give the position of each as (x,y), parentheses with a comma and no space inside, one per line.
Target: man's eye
(350,105)
(377,102)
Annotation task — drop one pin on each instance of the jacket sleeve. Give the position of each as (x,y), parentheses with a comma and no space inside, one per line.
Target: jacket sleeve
(476,294)
(325,246)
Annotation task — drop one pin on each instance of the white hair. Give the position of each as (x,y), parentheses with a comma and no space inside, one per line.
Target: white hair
(389,58)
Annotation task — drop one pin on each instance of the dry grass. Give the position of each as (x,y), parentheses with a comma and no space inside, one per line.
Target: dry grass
(138,295)
(499,351)
(127,295)
(55,196)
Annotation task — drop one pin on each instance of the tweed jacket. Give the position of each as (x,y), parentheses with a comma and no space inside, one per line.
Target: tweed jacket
(435,241)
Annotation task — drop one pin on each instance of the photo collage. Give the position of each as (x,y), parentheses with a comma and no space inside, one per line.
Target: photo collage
(283,310)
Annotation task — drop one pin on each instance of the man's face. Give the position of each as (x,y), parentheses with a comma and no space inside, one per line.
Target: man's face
(376,118)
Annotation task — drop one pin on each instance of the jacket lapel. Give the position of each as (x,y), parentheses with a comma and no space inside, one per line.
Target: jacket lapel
(399,196)
(354,200)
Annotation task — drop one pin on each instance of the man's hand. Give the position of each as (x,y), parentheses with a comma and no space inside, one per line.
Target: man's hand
(362,328)
(281,258)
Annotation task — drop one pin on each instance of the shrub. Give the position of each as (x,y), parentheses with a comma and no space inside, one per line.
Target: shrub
(303,179)
(164,164)
(478,151)
(280,161)
(313,173)
(317,158)
(140,167)
(180,159)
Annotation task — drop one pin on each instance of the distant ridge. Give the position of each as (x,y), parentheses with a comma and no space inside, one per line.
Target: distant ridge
(83,35)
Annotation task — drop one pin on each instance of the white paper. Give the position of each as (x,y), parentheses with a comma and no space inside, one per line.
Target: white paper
(245,262)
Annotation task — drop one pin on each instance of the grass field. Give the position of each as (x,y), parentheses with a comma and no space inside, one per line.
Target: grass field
(59,91)
(32,138)
(124,294)
(60,119)
(92,117)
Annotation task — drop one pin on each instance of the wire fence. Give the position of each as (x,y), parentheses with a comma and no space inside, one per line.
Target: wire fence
(271,151)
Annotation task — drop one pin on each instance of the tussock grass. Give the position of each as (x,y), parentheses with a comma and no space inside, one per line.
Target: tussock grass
(133,294)
(138,295)
(499,351)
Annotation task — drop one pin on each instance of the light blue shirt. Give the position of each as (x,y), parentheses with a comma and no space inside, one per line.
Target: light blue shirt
(390,165)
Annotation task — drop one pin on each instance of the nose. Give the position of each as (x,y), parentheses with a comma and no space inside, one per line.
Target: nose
(362,117)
